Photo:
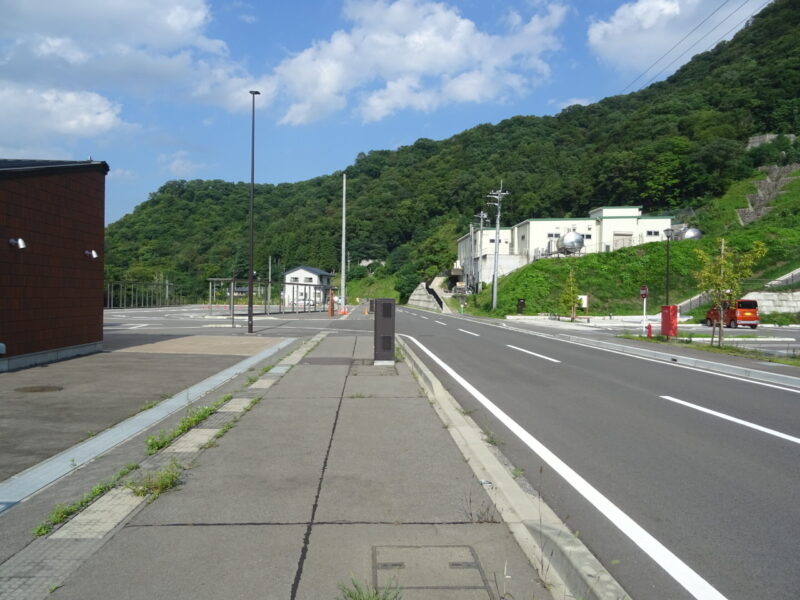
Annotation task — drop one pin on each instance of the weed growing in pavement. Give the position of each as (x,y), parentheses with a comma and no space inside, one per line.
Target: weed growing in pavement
(230,424)
(153,484)
(194,417)
(490,438)
(356,592)
(517,472)
(265,370)
(484,513)
(61,513)
(467,412)
(250,381)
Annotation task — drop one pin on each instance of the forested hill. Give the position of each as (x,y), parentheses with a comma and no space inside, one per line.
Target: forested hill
(673,145)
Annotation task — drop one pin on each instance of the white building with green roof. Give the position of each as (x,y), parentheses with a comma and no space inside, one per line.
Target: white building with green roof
(606,229)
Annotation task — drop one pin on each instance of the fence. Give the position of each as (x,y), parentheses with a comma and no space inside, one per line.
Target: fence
(142,294)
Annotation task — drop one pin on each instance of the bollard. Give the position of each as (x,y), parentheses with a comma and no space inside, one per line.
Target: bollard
(650,330)
(384,331)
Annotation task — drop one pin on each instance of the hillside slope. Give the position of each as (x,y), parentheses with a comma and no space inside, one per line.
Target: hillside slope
(675,144)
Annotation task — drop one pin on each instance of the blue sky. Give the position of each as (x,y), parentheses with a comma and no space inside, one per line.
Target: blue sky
(159,90)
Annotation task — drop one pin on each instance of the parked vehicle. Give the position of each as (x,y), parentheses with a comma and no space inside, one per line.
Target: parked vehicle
(742,312)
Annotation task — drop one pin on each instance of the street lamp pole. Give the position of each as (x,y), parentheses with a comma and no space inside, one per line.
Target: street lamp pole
(669,232)
(253,94)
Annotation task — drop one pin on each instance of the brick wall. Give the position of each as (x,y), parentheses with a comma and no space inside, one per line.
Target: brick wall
(51,294)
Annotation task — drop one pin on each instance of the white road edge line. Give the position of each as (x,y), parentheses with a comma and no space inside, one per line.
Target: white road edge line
(760,428)
(533,353)
(674,566)
(470,332)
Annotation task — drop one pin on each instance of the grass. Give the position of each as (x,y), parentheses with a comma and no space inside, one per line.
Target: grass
(61,513)
(193,418)
(355,591)
(155,483)
(230,424)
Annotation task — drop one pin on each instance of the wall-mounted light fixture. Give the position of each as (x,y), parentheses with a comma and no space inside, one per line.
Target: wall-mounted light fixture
(91,254)
(18,243)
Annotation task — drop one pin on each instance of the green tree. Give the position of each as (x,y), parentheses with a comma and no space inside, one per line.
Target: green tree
(569,295)
(722,275)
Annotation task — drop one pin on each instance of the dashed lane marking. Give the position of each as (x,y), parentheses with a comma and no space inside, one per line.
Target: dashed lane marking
(542,356)
(778,434)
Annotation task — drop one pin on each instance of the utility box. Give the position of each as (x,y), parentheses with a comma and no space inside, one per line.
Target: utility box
(384,330)
(669,320)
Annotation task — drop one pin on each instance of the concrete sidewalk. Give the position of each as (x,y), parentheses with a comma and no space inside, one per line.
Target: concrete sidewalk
(342,470)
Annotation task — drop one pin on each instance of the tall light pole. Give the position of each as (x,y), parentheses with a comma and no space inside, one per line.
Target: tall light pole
(253,94)
(669,232)
(343,291)
(497,196)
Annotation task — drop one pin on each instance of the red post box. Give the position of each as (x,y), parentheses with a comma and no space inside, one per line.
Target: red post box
(669,320)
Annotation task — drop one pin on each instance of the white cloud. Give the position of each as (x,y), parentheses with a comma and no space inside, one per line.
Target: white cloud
(179,164)
(640,32)
(35,113)
(421,55)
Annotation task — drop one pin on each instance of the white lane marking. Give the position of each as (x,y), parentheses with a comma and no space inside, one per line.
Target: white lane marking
(423,317)
(440,323)
(534,354)
(674,566)
(760,428)
(471,333)
(654,360)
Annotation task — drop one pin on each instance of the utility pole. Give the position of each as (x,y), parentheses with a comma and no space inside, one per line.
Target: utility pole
(343,299)
(253,94)
(481,215)
(497,196)
(269,284)
(471,267)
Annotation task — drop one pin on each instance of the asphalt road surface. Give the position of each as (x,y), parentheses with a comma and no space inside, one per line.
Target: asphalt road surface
(674,501)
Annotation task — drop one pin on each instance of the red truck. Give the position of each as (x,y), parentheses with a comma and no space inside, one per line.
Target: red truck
(742,312)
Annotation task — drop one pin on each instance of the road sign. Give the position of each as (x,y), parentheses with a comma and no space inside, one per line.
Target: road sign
(643,291)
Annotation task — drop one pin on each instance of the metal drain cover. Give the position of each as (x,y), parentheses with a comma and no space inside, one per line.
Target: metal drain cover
(431,571)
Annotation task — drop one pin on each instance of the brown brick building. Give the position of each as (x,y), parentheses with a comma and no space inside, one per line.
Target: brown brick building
(51,260)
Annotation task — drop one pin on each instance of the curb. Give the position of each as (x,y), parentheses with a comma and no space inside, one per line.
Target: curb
(565,565)
(698,363)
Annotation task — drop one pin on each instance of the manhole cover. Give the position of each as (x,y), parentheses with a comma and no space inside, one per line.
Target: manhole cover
(30,389)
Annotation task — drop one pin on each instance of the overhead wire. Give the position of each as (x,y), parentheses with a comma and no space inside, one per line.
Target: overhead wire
(737,9)
(660,58)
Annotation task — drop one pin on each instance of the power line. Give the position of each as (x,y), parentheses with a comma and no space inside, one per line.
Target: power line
(654,77)
(750,16)
(675,46)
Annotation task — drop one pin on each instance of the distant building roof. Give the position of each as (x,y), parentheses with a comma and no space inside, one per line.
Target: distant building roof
(313,270)
(15,167)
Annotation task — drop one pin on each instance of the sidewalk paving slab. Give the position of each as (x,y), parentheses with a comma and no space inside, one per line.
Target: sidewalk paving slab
(313,487)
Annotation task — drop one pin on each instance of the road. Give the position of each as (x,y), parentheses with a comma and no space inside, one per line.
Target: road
(721,497)
(675,502)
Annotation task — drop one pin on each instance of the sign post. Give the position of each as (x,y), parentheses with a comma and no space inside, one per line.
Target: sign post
(644,292)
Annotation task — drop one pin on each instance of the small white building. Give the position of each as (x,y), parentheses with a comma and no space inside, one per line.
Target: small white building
(306,286)
(481,247)
(606,229)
